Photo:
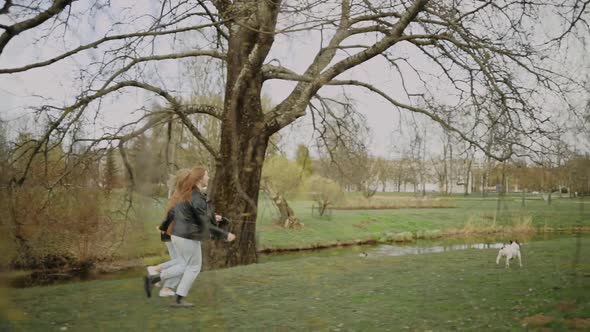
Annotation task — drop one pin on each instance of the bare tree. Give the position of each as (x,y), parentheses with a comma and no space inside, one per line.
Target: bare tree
(465,171)
(475,49)
(416,166)
(384,170)
(342,136)
(281,177)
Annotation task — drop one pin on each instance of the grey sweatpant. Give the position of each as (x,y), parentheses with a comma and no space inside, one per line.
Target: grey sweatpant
(171,282)
(187,264)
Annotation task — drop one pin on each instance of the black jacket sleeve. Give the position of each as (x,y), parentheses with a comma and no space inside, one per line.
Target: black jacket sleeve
(218,233)
(166,223)
(206,218)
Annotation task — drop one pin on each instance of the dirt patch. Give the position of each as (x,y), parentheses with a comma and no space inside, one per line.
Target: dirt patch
(578,324)
(538,319)
(566,306)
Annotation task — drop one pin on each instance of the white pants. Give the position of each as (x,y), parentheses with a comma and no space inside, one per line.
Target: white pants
(187,265)
(172,282)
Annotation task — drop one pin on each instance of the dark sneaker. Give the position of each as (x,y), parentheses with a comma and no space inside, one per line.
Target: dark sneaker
(147,286)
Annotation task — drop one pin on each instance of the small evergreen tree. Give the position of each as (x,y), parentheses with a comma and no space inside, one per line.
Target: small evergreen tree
(110,172)
(303,159)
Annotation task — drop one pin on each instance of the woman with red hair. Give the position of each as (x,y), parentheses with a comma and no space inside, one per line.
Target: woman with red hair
(193,223)
(165,230)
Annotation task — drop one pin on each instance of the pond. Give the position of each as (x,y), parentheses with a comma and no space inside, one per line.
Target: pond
(412,248)
(25,279)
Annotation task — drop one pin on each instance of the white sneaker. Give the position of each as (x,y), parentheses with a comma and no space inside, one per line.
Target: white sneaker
(164,292)
(152,271)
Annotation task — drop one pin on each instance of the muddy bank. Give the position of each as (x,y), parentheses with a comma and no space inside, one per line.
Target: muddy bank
(317,246)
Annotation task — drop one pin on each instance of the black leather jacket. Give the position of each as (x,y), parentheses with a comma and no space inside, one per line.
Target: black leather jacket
(194,220)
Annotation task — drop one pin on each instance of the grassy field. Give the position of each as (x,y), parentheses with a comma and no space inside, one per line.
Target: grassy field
(459,290)
(471,212)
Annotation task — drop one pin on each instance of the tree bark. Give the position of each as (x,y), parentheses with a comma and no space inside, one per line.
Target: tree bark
(235,196)
(287,217)
(244,135)
(236,183)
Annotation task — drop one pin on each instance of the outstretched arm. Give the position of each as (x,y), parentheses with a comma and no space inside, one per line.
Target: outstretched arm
(166,223)
(222,233)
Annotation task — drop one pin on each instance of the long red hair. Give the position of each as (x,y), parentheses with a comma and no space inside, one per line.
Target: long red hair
(174,180)
(185,185)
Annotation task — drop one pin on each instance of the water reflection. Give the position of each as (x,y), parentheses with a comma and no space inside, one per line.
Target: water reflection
(393,250)
(418,247)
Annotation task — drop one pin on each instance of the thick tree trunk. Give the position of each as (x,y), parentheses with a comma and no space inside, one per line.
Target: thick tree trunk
(244,137)
(236,196)
(236,183)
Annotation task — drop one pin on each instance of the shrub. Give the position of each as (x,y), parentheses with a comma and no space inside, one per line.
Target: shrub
(428,234)
(488,223)
(397,237)
(58,228)
(325,192)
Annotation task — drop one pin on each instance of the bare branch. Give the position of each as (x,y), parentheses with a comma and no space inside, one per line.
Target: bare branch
(189,54)
(6,7)
(213,19)
(82,102)
(577,17)
(294,106)
(100,41)
(379,47)
(15,29)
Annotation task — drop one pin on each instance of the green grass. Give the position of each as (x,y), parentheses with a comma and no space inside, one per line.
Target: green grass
(374,224)
(350,225)
(459,290)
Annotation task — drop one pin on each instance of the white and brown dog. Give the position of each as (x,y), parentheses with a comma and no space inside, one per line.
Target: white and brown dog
(510,251)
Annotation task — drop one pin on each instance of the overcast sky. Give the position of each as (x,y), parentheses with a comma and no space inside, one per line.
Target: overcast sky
(58,82)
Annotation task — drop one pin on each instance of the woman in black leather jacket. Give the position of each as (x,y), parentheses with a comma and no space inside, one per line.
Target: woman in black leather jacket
(165,230)
(192,224)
